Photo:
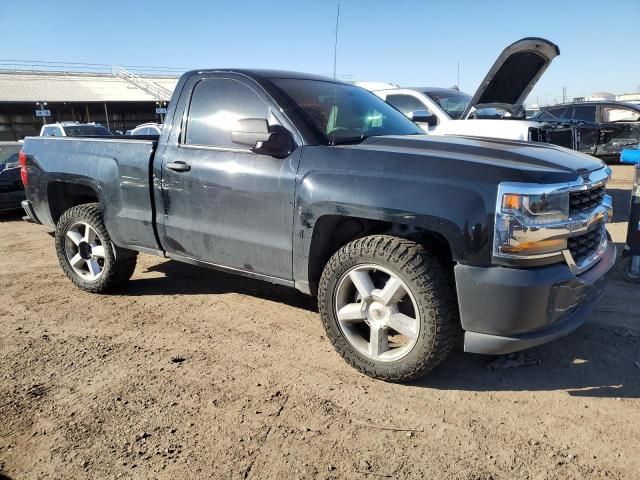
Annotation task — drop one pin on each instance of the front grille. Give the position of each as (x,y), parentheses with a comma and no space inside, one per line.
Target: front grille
(584,245)
(585,200)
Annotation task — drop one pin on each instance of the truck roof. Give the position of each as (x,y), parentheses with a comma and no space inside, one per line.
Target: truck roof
(265,74)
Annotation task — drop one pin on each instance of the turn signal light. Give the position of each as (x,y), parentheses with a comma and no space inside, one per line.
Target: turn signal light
(22,158)
(511,201)
(535,248)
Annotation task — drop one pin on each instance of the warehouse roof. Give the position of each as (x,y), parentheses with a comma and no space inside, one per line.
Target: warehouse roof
(75,87)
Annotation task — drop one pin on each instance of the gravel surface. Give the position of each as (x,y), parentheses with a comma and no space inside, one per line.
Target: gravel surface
(190,373)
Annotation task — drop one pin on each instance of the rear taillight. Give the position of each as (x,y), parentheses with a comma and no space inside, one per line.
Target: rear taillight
(22,157)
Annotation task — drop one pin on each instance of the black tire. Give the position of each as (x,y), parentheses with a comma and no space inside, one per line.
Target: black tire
(432,286)
(624,270)
(118,264)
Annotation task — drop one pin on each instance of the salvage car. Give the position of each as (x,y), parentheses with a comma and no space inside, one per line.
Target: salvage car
(11,188)
(604,128)
(495,110)
(410,242)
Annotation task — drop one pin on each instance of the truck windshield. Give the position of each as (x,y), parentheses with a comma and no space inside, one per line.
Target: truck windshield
(86,130)
(452,103)
(344,113)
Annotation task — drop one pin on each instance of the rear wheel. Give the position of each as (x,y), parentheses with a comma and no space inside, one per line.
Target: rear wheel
(388,306)
(87,255)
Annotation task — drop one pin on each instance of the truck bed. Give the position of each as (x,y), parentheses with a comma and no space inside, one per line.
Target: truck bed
(117,169)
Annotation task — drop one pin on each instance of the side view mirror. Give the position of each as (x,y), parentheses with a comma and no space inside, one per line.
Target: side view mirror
(424,116)
(263,139)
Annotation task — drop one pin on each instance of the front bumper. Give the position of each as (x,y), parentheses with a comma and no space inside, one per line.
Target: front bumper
(503,310)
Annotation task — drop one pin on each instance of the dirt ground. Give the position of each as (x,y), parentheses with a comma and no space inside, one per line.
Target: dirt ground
(190,373)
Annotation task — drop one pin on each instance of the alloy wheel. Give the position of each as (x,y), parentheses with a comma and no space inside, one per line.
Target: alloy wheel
(377,313)
(84,251)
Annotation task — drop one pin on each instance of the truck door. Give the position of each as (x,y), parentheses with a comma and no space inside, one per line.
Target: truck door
(224,204)
(584,121)
(620,128)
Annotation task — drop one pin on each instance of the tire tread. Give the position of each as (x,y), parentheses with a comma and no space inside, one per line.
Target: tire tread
(432,286)
(122,267)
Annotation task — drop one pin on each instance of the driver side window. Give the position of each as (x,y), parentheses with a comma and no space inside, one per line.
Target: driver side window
(216,105)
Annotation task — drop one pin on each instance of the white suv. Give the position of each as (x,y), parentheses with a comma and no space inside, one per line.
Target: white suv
(74,129)
(495,110)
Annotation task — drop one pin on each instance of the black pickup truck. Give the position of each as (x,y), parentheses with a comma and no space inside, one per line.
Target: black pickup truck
(411,242)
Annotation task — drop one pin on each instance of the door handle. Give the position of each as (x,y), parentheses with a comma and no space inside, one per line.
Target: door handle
(179,166)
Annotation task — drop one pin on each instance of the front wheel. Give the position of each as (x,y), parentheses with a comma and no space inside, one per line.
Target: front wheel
(87,255)
(388,306)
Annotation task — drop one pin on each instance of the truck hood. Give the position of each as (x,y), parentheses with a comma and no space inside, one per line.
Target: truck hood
(533,162)
(513,75)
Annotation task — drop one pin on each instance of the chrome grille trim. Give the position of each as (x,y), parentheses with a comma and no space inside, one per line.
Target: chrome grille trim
(579,222)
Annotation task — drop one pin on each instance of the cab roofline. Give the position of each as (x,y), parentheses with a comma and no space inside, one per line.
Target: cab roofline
(264,74)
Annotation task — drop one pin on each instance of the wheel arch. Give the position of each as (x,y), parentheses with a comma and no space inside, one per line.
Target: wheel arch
(64,195)
(331,232)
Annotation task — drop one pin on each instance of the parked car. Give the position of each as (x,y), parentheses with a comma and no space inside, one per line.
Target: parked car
(74,129)
(604,128)
(496,109)
(408,240)
(146,129)
(11,188)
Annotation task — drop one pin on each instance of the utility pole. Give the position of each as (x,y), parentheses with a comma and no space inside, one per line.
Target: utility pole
(458,82)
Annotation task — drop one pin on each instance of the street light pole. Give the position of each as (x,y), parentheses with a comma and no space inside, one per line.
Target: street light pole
(42,106)
(161,105)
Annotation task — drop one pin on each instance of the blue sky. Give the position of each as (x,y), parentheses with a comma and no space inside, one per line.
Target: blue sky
(401,41)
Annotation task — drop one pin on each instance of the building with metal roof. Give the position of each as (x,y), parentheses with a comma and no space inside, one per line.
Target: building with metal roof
(57,87)
(114,96)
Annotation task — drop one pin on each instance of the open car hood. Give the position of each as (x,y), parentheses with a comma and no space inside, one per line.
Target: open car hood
(512,76)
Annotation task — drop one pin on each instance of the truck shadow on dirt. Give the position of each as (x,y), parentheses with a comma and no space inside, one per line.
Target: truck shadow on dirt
(598,360)
(184,279)
(595,361)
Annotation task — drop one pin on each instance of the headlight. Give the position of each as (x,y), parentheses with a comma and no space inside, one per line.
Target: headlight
(537,208)
(526,218)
